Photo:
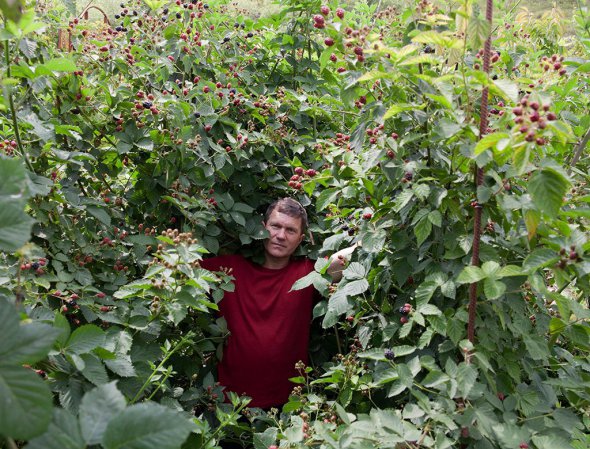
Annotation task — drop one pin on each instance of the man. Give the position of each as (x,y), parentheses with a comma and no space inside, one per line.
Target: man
(268,323)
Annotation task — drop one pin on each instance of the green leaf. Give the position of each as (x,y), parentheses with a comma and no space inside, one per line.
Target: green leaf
(493,288)
(307,280)
(425,291)
(532,218)
(435,218)
(93,369)
(15,226)
(510,270)
(548,188)
(470,274)
(539,258)
(489,141)
(11,9)
(23,342)
(265,439)
(13,181)
(85,339)
(30,344)
(97,408)
(326,197)
(63,433)
(61,65)
(422,230)
(100,214)
(435,378)
(466,377)
(506,89)
(428,309)
(536,347)
(354,271)
(552,441)
(146,426)
(490,268)
(397,108)
(25,403)
(354,288)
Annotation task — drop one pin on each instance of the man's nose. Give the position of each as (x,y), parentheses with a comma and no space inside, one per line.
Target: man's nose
(281,234)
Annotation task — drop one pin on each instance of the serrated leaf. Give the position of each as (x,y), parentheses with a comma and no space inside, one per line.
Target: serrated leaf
(489,141)
(85,339)
(424,292)
(265,439)
(435,218)
(510,270)
(422,230)
(536,347)
(539,258)
(97,408)
(146,426)
(532,218)
(434,379)
(30,344)
(507,89)
(25,403)
(428,309)
(63,433)
(355,287)
(466,377)
(548,188)
(493,288)
(470,274)
(306,281)
(61,65)
(15,226)
(325,198)
(397,108)
(100,214)
(421,191)
(354,270)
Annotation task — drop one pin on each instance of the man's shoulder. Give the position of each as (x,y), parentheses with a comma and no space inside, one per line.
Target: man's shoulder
(303,263)
(224,261)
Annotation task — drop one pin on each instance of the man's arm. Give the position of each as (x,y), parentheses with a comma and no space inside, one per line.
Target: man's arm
(338,262)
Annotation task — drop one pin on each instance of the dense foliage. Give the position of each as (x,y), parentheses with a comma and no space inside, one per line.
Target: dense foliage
(153,141)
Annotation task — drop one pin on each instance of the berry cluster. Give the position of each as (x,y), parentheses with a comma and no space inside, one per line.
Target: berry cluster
(568,257)
(532,118)
(69,307)
(300,174)
(553,63)
(405,310)
(495,56)
(8,146)
(36,266)
(373,133)
(319,20)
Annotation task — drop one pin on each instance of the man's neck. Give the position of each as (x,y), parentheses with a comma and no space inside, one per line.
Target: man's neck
(275,263)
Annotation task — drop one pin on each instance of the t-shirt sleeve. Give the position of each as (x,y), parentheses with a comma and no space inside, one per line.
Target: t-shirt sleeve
(217,263)
(211,263)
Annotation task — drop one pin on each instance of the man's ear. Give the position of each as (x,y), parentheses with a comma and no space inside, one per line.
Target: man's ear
(301,237)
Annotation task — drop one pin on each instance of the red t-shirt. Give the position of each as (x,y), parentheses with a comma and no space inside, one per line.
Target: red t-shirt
(269,328)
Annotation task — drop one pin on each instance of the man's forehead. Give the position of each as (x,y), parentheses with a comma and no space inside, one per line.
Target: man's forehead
(277,216)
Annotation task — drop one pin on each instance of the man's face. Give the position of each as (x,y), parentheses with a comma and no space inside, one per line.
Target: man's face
(285,235)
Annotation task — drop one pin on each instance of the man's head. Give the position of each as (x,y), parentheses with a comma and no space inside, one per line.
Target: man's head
(290,207)
(286,222)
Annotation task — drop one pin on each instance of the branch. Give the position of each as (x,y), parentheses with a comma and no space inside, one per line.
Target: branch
(580,147)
